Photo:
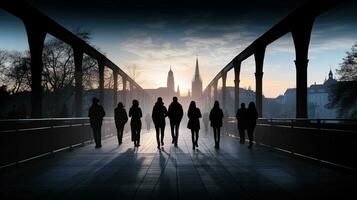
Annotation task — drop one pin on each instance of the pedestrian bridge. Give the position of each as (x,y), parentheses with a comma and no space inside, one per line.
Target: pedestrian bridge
(69,167)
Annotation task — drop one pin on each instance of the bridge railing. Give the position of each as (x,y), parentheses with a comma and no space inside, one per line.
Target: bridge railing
(25,139)
(327,140)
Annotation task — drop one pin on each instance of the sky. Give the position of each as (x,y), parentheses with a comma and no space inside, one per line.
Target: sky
(151,36)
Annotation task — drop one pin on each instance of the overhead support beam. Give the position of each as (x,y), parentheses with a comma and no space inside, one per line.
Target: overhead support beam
(259,61)
(78,78)
(101,81)
(224,91)
(237,65)
(301,33)
(115,88)
(124,90)
(36,37)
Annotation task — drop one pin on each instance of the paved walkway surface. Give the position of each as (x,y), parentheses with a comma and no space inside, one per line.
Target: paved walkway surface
(125,172)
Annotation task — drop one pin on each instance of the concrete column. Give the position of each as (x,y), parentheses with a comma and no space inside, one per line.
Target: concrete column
(36,37)
(78,76)
(224,91)
(301,36)
(115,88)
(259,60)
(124,90)
(101,81)
(237,65)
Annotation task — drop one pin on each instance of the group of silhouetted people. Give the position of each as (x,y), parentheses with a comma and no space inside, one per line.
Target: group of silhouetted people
(246,121)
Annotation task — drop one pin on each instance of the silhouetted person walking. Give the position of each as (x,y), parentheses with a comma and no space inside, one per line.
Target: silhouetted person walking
(96,114)
(121,118)
(194,115)
(159,112)
(216,116)
(252,116)
(148,121)
(242,122)
(205,119)
(135,122)
(175,114)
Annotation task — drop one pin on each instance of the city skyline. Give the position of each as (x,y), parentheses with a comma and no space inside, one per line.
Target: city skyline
(153,38)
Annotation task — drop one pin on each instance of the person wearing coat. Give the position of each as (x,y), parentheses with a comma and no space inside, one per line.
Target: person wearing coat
(120,118)
(242,122)
(216,117)
(252,116)
(175,114)
(135,123)
(96,114)
(194,115)
(159,112)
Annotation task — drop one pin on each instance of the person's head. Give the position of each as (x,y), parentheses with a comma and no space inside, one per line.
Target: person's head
(95,100)
(174,99)
(192,105)
(159,100)
(251,105)
(120,105)
(242,105)
(216,104)
(135,103)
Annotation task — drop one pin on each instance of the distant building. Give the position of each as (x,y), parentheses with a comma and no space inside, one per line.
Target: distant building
(196,86)
(166,92)
(317,97)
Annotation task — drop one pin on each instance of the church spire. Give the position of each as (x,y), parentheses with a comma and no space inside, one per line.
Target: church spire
(196,86)
(197,71)
(330,74)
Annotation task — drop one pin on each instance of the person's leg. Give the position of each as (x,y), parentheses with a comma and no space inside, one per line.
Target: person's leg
(215,136)
(100,135)
(138,136)
(197,137)
(172,126)
(121,134)
(177,128)
(94,129)
(193,139)
(218,136)
(162,134)
(242,135)
(157,129)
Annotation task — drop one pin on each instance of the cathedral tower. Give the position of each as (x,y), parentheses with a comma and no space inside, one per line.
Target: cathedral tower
(170,81)
(196,87)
